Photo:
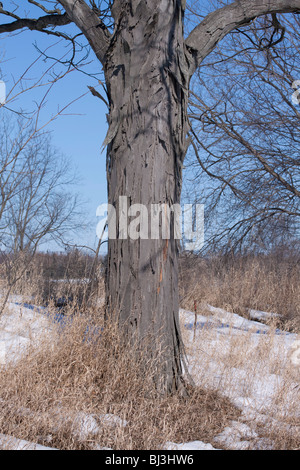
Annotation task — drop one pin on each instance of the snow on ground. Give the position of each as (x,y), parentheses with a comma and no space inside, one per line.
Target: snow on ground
(21,327)
(262,316)
(243,359)
(248,362)
(12,443)
(195,445)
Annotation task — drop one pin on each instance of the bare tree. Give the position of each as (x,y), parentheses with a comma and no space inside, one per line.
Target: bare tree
(245,119)
(37,201)
(39,207)
(148,64)
(34,176)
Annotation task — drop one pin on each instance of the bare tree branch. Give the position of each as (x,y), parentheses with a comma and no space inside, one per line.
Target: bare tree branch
(90,24)
(86,18)
(245,166)
(203,39)
(46,10)
(33,24)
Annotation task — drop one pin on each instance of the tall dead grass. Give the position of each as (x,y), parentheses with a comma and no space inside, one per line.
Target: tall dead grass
(255,370)
(48,396)
(240,283)
(82,373)
(256,373)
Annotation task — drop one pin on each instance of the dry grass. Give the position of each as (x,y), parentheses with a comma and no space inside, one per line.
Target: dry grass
(238,284)
(42,395)
(255,370)
(256,373)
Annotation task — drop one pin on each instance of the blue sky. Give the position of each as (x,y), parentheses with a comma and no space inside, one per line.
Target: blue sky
(78,135)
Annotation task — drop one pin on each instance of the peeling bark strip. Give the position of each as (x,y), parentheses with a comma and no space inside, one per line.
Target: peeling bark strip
(147,77)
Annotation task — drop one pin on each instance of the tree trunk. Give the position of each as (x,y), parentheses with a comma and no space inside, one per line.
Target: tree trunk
(147,68)
(147,78)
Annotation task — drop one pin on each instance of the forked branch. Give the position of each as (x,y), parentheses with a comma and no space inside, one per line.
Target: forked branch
(76,11)
(203,39)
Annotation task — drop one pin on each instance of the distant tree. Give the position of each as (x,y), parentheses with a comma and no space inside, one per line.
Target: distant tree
(36,201)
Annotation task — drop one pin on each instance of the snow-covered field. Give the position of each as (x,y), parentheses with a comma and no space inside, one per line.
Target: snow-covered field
(253,364)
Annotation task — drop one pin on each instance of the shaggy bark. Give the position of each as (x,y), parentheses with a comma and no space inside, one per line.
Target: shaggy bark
(148,66)
(147,74)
